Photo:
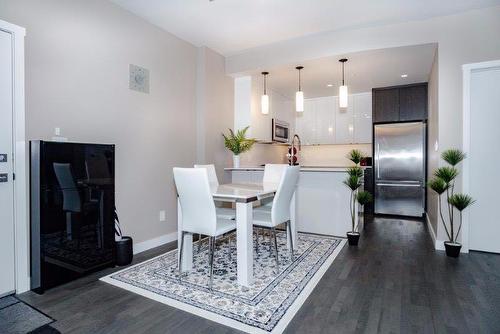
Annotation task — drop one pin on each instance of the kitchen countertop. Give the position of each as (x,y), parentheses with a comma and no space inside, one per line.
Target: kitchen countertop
(302,168)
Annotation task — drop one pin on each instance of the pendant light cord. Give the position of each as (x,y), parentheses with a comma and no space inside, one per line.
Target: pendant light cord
(342,73)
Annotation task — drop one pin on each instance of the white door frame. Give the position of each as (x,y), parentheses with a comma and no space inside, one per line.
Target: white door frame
(20,159)
(467,73)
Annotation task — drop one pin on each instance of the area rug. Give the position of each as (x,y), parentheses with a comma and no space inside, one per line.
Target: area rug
(265,307)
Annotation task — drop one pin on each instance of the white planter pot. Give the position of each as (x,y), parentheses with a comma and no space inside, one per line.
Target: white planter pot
(236,161)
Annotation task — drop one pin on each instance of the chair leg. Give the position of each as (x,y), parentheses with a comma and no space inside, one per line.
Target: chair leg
(199,243)
(230,248)
(181,249)
(212,250)
(289,229)
(257,232)
(273,230)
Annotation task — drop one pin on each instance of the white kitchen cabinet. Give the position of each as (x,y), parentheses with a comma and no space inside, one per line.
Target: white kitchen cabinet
(305,123)
(344,123)
(363,118)
(323,122)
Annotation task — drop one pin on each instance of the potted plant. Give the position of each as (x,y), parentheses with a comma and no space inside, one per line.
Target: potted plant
(238,143)
(443,183)
(353,182)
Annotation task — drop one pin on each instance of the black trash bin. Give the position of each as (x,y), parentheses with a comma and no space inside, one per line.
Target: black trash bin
(124,251)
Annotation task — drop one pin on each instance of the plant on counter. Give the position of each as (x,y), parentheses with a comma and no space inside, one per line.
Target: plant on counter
(443,183)
(353,182)
(238,143)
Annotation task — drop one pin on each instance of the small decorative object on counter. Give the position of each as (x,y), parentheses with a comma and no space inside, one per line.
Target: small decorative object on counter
(238,143)
(353,182)
(293,151)
(444,182)
(124,245)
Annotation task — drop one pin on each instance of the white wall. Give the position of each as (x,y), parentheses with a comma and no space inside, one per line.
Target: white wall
(215,103)
(433,140)
(463,38)
(77,58)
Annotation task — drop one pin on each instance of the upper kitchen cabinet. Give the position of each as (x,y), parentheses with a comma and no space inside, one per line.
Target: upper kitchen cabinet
(322,122)
(399,104)
(362,118)
(385,105)
(413,103)
(344,122)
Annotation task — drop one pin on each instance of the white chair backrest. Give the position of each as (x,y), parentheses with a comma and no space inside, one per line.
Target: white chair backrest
(71,197)
(197,204)
(274,172)
(212,175)
(280,211)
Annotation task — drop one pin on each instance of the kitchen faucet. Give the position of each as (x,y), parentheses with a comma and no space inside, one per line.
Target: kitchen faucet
(292,151)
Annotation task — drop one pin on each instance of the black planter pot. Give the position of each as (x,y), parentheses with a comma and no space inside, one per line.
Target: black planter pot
(353,238)
(452,248)
(124,251)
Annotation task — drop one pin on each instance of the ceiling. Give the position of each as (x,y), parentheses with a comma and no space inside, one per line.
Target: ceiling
(363,71)
(231,26)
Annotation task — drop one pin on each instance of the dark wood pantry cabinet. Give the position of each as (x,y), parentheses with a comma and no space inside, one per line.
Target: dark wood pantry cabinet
(400,103)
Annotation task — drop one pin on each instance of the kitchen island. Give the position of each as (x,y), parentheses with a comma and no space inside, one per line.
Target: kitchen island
(322,200)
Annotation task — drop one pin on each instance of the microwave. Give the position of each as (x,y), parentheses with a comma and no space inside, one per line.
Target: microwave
(281,131)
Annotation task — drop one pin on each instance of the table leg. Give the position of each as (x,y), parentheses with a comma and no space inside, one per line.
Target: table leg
(187,253)
(293,222)
(244,243)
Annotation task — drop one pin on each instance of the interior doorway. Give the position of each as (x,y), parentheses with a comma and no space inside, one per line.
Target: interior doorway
(7,235)
(481,135)
(14,214)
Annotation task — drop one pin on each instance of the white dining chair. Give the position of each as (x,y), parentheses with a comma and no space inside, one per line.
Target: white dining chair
(198,210)
(272,174)
(222,212)
(280,210)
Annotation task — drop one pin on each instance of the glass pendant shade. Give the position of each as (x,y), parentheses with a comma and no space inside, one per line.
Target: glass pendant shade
(264,104)
(299,101)
(343,96)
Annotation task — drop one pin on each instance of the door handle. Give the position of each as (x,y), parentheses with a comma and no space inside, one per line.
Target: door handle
(398,185)
(4,177)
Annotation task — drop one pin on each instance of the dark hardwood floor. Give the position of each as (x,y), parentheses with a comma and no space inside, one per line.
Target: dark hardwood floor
(394,282)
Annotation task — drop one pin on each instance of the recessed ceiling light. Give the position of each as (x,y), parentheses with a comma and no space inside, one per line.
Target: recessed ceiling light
(329,85)
(404,75)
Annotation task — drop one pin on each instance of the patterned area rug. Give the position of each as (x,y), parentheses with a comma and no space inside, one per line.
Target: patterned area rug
(265,307)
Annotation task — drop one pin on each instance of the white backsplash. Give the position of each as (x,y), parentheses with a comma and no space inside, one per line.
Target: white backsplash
(320,155)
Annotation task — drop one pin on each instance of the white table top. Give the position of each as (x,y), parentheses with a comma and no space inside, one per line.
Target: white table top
(244,192)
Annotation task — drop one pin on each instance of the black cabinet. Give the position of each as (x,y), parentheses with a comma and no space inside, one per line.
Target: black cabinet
(385,105)
(400,103)
(368,186)
(413,103)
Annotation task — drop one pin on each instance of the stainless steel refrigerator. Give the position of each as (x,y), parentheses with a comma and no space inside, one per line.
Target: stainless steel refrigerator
(399,152)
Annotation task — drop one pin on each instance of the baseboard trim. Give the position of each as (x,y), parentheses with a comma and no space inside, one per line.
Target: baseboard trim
(431,231)
(155,242)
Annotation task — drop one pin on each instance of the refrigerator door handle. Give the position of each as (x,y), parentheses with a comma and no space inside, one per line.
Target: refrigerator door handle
(399,184)
(377,160)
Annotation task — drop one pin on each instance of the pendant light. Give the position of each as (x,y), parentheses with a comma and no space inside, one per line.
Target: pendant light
(343,93)
(264,100)
(299,96)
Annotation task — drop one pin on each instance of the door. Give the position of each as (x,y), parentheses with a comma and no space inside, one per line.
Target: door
(7,278)
(399,169)
(484,159)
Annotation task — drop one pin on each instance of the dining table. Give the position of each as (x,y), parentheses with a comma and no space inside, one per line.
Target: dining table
(243,196)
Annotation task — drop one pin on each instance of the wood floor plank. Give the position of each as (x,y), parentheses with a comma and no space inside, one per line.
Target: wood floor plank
(393,282)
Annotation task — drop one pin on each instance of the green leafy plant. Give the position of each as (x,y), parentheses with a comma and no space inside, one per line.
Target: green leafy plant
(238,143)
(453,156)
(355,171)
(364,197)
(353,182)
(355,156)
(443,183)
